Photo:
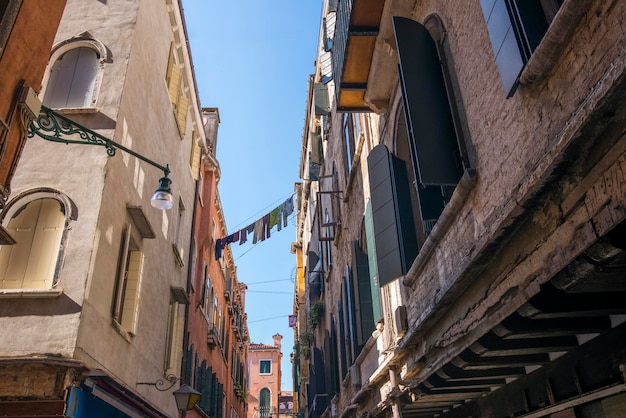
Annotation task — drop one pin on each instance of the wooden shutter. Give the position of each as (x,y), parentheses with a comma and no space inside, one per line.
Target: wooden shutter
(321,100)
(363,295)
(506,49)
(196,152)
(182,108)
(132,291)
(349,315)
(219,407)
(60,80)
(14,258)
(173,77)
(343,366)
(432,135)
(213,394)
(187,373)
(31,262)
(84,78)
(371,262)
(392,217)
(179,333)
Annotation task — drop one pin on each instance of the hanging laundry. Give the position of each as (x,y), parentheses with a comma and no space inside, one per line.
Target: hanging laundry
(244,233)
(220,243)
(274,217)
(232,238)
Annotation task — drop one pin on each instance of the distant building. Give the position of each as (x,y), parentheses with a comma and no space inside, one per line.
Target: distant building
(265,378)
(285,405)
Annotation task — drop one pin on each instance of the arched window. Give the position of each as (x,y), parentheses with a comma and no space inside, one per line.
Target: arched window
(264,403)
(38,228)
(72,79)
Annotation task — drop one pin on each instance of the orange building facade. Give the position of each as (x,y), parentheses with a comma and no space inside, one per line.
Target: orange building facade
(217,336)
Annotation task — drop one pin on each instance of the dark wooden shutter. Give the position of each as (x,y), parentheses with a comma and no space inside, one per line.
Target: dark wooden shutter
(343,366)
(329,367)
(371,261)
(334,354)
(213,394)
(432,136)
(320,97)
(392,216)
(219,407)
(506,49)
(188,371)
(349,315)
(362,284)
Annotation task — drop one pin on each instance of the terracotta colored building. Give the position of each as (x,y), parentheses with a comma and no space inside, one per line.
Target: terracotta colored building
(265,378)
(27,31)
(217,335)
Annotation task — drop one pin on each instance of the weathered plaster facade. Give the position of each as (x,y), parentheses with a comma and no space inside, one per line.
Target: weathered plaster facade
(521,276)
(74,325)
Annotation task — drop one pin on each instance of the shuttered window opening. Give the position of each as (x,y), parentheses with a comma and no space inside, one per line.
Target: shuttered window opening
(72,79)
(128,285)
(363,296)
(392,216)
(432,130)
(348,137)
(321,99)
(32,262)
(371,262)
(176,89)
(196,154)
(516,27)
(174,347)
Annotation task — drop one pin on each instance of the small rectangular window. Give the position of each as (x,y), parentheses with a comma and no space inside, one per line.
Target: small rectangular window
(265,366)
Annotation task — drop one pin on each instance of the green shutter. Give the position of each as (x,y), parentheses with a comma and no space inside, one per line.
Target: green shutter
(371,261)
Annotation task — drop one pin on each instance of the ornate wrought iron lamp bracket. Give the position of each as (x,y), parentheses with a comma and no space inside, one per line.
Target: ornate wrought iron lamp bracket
(53,126)
(160,384)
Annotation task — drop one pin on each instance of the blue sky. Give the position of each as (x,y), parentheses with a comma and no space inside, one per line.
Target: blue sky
(252,61)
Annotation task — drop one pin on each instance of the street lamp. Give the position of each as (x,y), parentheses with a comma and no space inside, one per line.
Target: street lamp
(186,397)
(53,126)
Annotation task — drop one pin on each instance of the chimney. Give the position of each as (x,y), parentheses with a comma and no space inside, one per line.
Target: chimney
(277,340)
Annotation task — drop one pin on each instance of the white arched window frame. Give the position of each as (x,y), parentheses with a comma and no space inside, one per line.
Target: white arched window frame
(74,74)
(39,222)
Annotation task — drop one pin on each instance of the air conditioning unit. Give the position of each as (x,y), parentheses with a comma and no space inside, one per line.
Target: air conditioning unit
(400,321)
(28,102)
(355,375)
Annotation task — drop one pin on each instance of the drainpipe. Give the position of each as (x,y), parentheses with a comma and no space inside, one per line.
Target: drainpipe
(395,404)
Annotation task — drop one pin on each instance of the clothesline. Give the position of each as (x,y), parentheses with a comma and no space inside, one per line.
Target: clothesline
(261,228)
